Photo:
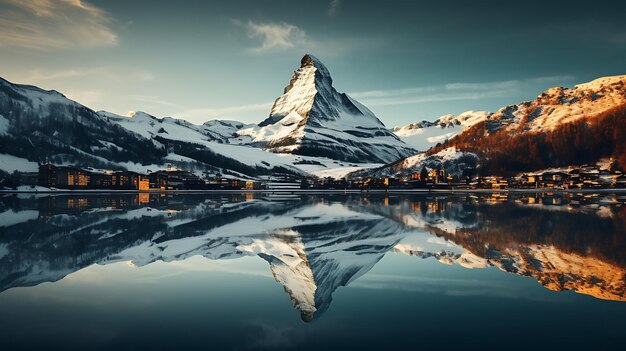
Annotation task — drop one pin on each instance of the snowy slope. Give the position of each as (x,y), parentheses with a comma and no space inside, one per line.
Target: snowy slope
(311,118)
(451,160)
(10,164)
(38,125)
(423,135)
(151,127)
(182,131)
(560,105)
(226,131)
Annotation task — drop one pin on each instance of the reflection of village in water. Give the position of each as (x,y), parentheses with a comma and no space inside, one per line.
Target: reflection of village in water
(317,243)
(125,201)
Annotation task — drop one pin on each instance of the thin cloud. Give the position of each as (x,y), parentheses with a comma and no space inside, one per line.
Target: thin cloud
(270,37)
(39,75)
(509,84)
(552,79)
(54,24)
(617,38)
(457,91)
(416,95)
(275,35)
(202,115)
(78,83)
(85,97)
(395,92)
(46,76)
(153,100)
(434,98)
(333,8)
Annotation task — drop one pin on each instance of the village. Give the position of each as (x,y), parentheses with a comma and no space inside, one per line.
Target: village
(172,179)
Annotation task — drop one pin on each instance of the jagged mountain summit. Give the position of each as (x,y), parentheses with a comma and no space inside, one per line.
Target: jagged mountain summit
(311,118)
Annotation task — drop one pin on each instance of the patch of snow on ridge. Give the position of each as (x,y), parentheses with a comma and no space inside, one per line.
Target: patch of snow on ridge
(424,135)
(4,125)
(601,83)
(450,159)
(448,154)
(284,128)
(172,129)
(342,171)
(10,163)
(11,217)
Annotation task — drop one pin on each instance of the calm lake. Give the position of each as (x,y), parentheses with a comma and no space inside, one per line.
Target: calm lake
(360,271)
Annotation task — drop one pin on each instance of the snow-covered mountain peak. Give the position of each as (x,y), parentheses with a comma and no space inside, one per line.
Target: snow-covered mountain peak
(312,118)
(30,98)
(465,119)
(25,88)
(140,115)
(309,84)
(423,135)
(310,60)
(322,75)
(298,94)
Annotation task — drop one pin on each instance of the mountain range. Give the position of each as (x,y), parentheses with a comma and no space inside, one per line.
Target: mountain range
(313,130)
(562,127)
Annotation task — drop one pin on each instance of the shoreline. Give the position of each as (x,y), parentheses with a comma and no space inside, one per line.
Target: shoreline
(320,191)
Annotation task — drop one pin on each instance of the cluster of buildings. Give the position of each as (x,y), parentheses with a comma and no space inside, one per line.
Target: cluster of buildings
(583,177)
(74,178)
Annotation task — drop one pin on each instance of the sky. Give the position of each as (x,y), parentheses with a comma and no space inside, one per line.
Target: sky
(406,60)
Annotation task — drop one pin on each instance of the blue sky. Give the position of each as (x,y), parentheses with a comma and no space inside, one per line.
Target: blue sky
(406,60)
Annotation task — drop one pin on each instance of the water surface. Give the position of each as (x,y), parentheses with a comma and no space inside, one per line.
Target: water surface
(247,271)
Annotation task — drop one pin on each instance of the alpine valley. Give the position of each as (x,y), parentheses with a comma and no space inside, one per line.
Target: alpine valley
(314,131)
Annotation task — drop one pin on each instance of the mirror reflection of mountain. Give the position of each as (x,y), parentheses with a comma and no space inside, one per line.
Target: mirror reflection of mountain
(317,243)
